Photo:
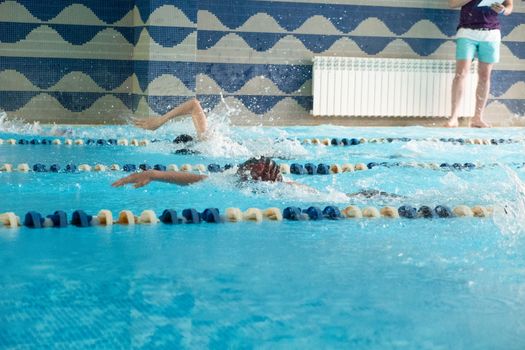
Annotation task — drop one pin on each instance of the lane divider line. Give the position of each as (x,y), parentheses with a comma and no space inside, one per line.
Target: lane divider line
(104,217)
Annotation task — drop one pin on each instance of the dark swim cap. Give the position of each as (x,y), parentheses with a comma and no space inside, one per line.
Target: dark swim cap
(183,139)
(260,169)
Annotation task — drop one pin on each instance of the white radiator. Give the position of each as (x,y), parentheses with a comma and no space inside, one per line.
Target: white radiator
(388,87)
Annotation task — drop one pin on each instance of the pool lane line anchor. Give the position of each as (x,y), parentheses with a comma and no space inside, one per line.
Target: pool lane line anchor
(79,218)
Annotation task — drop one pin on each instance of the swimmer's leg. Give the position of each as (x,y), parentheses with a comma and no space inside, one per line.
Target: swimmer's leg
(192,107)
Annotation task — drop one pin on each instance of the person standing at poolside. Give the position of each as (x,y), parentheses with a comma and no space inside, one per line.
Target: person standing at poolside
(478,33)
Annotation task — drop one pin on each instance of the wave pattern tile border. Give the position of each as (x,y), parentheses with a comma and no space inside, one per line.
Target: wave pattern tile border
(291,33)
(109,59)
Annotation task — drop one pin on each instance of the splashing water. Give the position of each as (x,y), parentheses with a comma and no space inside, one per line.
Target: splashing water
(509,216)
(223,141)
(287,190)
(18,126)
(293,192)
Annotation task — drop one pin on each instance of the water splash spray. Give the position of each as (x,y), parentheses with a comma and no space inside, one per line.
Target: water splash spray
(509,216)
(18,126)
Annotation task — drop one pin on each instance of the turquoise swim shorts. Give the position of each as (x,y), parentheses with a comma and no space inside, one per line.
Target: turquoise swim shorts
(488,51)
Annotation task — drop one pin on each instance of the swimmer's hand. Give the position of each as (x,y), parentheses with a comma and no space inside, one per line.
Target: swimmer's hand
(145,177)
(138,180)
(151,123)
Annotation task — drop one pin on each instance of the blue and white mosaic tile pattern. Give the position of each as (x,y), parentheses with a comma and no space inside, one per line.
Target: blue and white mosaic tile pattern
(98,61)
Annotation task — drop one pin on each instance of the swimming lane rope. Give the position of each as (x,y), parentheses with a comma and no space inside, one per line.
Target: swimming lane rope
(77,142)
(358,141)
(80,218)
(294,168)
(314,141)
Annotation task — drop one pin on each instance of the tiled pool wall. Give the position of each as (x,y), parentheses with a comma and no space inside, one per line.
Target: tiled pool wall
(96,61)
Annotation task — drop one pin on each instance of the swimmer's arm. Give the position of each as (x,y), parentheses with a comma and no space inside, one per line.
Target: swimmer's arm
(145,177)
(191,107)
(457,3)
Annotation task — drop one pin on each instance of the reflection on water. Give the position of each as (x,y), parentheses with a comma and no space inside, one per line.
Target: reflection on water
(367,284)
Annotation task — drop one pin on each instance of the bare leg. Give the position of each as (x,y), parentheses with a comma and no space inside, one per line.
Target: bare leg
(482,95)
(458,87)
(192,107)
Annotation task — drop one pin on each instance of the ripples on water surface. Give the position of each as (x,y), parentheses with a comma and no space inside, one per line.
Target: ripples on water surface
(381,284)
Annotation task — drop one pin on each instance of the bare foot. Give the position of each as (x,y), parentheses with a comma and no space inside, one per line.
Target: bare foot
(452,123)
(478,123)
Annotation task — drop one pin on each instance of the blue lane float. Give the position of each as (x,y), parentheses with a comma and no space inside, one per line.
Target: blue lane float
(169,216)
(311,169)
(407,211)
(214,168)
(54,168)
(293,214)
(314,213)
(211,215)
(33,219)
(191,216)
(70,168)
(443,211)
(39,168)
(79,218)
(58,219)
(323,169)
(332,213)
(129,168)
(426,212)
(297,169)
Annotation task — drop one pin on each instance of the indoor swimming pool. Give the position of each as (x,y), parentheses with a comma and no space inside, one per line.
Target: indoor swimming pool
(364,283)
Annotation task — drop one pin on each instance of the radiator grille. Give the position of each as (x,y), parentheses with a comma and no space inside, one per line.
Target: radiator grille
(386,87)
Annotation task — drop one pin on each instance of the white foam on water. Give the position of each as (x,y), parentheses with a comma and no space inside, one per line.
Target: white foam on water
(454,184)
(294,192)
(287,190)
(224,141)
(509,215)
(19,126)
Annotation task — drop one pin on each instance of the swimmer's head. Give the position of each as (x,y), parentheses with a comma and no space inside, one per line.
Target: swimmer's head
(183,139)
(260,169)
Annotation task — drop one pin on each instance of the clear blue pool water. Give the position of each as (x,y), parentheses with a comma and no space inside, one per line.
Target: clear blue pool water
(365,284)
